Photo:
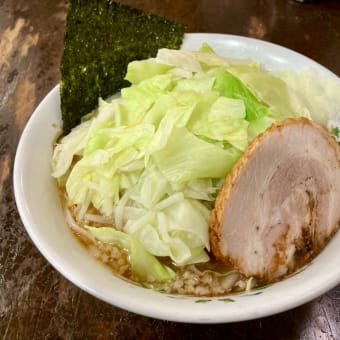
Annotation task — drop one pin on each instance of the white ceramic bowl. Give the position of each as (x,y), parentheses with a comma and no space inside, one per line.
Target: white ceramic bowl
(39,207)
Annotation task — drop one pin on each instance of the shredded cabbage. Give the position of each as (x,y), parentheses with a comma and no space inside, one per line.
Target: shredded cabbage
(155,158)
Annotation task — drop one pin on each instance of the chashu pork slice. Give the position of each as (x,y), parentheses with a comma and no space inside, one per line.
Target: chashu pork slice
(280,204)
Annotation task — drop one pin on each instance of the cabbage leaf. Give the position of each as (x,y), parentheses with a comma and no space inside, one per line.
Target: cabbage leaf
(145,267)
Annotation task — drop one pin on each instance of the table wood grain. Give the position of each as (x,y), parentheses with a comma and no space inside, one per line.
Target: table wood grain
(36,302)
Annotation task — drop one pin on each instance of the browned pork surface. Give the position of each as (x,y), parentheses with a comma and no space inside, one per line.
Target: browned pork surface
(281,203)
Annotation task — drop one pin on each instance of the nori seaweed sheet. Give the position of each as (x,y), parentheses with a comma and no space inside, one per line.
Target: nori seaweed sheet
(101,38)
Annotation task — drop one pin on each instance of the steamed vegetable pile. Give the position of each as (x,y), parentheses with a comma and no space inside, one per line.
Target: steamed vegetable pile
(154,158)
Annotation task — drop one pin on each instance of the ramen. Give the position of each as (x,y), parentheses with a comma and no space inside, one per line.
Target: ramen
(139,176)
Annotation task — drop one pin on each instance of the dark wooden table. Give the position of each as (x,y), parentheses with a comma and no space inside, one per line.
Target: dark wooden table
(36,302)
